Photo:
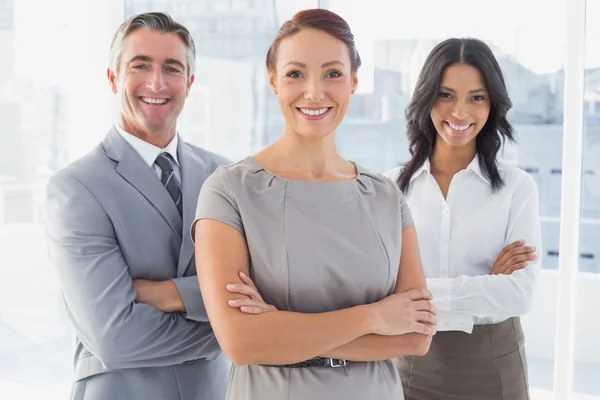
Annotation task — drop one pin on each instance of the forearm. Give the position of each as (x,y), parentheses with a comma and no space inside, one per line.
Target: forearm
(374,347)
(282,337)
(162,295)
(126,334)
(377,347)
(278,337)
(174,295)
(99,292)
(190,300)
(486,295)
(148,340)
(454,321)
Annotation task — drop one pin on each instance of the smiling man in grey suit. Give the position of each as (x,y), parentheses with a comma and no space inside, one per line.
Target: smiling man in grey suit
(118,229)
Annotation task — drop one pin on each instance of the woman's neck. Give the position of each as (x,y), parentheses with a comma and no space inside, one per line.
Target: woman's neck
(305,158)
(449,160)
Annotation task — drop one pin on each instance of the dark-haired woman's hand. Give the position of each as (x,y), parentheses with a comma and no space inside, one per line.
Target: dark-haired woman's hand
(513,257)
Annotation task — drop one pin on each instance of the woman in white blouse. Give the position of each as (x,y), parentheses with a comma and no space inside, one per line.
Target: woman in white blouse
(478,228)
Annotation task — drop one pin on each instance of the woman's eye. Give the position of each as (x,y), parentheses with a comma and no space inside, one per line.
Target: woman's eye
(293,74)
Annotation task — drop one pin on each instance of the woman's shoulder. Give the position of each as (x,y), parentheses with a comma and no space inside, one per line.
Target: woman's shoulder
(515,177)
(380,182)
(394,173)
(518,184)
(228,179)
(388,197)
(234,171)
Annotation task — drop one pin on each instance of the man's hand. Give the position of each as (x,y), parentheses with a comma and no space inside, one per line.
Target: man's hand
(513,257)
(162,295)
(254,304)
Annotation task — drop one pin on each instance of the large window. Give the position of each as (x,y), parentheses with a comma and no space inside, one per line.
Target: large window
(55,105)
(35,338)
(586,351)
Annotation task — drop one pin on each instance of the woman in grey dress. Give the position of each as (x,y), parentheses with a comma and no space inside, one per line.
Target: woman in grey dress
(328,243)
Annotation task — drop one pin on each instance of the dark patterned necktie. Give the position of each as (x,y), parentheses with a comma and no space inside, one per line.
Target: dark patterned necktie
(165,162)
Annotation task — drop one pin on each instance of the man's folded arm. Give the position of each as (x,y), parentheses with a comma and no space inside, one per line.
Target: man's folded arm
(99,293)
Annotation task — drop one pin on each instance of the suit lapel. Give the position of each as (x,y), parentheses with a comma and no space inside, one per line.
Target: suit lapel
(135,171)
(193,175)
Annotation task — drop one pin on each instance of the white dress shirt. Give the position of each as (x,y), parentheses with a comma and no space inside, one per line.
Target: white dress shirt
(460,238)
(149,152)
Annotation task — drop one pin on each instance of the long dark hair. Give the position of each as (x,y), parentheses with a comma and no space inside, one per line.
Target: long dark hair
(420,129)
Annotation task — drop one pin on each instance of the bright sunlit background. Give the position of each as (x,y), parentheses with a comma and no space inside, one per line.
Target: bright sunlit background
(55,105)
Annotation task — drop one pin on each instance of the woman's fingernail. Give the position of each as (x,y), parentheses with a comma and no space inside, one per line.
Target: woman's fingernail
(230,286)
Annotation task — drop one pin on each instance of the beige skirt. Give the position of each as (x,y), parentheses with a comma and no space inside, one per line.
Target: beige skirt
(488,364)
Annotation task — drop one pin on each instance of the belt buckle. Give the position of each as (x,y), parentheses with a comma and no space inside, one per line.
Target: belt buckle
(336,363)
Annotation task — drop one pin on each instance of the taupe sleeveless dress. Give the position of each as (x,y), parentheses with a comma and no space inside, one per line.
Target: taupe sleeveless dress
(314,247)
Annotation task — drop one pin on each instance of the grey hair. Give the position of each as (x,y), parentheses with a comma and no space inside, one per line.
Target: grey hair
(155,21)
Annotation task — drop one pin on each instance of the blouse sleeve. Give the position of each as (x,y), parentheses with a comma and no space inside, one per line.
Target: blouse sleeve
(217,201)
(407,220)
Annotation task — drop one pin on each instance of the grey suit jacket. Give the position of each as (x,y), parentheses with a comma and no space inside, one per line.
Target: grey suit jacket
(109,221)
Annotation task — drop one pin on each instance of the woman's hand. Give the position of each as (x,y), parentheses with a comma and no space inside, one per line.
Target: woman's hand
(397,314)
(254,303)
(513,257)
(405,312)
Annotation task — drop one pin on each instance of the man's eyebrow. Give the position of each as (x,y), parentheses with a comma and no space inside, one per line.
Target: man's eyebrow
(150,59)
(176,62)
(140,58)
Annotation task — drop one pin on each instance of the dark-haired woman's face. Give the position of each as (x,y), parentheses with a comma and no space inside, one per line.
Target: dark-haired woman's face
(314,81)
(462,107)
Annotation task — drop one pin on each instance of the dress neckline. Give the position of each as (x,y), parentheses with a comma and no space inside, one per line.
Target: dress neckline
(358,169)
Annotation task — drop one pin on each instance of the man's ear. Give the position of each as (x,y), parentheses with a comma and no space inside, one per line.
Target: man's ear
(112,79)
(189,84)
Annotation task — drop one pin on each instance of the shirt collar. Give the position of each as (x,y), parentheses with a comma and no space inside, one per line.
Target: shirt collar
(426,167)
(473,166)
(148,151)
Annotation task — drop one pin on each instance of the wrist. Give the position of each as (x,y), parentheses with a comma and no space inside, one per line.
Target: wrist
(172,301)
(369,318)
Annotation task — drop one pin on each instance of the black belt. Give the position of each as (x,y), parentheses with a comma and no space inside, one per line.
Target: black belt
(314,362)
